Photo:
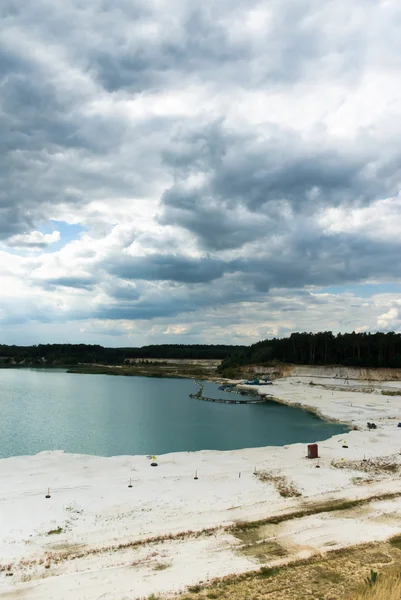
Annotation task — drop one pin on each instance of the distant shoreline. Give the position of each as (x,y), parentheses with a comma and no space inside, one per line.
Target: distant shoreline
(159,370)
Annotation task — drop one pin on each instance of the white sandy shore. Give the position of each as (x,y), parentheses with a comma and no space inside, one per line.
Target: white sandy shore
(91,502)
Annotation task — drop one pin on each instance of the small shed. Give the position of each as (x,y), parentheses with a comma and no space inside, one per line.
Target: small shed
(313,451)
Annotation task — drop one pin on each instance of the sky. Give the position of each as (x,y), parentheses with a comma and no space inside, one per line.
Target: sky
(198,172)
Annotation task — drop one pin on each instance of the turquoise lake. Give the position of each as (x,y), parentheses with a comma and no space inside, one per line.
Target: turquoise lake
(108,416)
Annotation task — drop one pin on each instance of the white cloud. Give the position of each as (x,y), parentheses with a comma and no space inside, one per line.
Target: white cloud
(35,239)
(390,320)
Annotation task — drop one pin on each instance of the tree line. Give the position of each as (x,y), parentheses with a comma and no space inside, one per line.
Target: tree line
(323,348)
(72,354)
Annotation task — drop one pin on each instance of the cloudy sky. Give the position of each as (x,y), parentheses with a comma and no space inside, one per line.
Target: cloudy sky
(182,171)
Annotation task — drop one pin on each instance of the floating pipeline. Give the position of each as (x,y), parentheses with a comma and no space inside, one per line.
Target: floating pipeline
(225,401)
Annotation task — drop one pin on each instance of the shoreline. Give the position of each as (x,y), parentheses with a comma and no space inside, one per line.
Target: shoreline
(154,370)
(314,411)
(101,537)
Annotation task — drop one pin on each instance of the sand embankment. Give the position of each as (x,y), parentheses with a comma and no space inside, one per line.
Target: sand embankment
(337,372)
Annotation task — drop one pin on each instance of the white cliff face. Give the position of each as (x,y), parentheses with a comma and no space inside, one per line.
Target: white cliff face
(331,372)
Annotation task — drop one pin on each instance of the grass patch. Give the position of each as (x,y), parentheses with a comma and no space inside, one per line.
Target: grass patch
(161,566)
(374,466)
(169,370)
(283,485)
(55,531)
(379,587)
(74,553)
(329,577)
(362,480)
(396,541)
(225,585)
(266,572)
(314,509)
(264,551)
(325,574)
(393,393)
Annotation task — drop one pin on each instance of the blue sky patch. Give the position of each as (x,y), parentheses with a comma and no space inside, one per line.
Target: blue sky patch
(363,290)
(68,233)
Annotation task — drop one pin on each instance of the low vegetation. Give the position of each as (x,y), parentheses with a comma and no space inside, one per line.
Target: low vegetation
(380,587)
(285,487)
(56,531)
(147,369)
(364,572)
(308,510)
(396,541)
(161,566)
(373,466)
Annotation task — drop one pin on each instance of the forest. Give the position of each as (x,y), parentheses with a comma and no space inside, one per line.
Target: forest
(73,354)
(323,348)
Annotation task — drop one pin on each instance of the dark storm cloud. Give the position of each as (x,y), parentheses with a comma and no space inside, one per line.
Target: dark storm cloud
(50,147)
(317,260)
(272,180)
(77,282)
(199,43)
(36,128)
(320,260)
(122,291)
(162,267)
(132,48)
(141,310)
(198,46)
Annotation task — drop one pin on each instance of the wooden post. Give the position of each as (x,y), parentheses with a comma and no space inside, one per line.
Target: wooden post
(48,493)
(130,484)
(196,475)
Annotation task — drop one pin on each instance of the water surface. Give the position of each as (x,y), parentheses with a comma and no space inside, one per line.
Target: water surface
(108,416)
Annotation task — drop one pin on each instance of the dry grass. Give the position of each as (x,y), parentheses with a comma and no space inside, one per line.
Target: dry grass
(362,480)
(306,510)
(386,465)
(387,587)
(161,566)
(396,541)
(76,552)
(330,577)
(283,485)
(264,551)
